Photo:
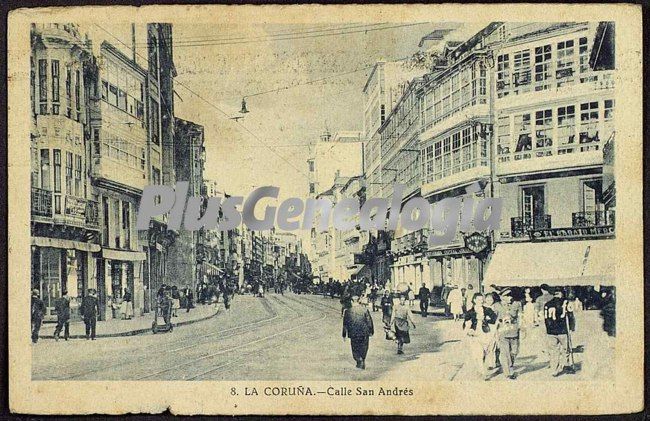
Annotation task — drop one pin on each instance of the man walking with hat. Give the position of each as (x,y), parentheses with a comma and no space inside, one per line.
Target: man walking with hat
(89,309)
(62,306)
(358,326)
(557,312)
(508,315)
(38,312)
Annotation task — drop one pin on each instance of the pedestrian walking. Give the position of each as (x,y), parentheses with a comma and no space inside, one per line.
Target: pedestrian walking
(62,306)
(358,326)
(479,325)
(373,296)
(401,320)
(556,320)
(126,307)
(509,316)
(190,299)
(455,302)
(38,312)
(411,296)
(89,309)
(424,295)
(387,308)
(176,301)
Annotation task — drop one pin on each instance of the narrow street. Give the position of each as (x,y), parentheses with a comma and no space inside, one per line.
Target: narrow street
(278,337)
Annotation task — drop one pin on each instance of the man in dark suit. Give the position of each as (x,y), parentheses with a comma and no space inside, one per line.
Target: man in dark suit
(38,312)
(358,326)
(424,295)
(62,306)
(89,309)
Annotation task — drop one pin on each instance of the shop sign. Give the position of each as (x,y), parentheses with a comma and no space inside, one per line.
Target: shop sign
(449,252)
(476,242)
(571,233)
(75,208)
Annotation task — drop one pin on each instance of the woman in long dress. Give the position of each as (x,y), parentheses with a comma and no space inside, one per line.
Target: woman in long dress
(402,321)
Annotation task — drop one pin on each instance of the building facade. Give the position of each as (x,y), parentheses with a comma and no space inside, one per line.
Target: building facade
(64,212)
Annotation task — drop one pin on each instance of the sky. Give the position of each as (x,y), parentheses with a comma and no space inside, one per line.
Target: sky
(223,63)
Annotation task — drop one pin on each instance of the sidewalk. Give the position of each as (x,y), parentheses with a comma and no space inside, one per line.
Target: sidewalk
(135,326)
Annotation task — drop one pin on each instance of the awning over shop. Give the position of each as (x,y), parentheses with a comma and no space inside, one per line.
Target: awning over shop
(558,263)
(211,269)
(129,256)
(65,244)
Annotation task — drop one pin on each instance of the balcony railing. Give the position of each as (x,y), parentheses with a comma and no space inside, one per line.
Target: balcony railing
(41,202)
(593,218)
(411,241)
(520,227)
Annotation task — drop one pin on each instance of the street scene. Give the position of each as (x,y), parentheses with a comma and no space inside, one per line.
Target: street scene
(499,118)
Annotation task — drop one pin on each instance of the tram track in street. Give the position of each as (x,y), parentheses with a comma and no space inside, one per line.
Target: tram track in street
(270,312)
(239,360)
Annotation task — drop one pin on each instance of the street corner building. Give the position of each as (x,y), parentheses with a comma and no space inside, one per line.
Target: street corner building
(102,129)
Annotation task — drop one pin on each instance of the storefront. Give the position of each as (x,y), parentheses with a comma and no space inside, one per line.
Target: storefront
(118,270)
(61,265)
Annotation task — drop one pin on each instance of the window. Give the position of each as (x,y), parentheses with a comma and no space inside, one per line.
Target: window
(42,85)
(542,67)
(155,124)
(77,94)
(121,100)
(592,199)
(589,125)
(564,72)
(382,113)
(312,188)
(608,123)
(503,75)
(521,71)
(112,95)
(566,129)
(455,153)
(68,172)
(522,131)
(77,176)
(311,166)
(105,226)
(68,92)
(532,208)
(126,224)
(57,180)
(32,84)
(583,51)
(104,90)
(45,169)
(116,223)
(543,131)
(503,137)
(55,87)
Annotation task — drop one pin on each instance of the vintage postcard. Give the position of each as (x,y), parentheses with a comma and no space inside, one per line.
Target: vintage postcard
(363,209)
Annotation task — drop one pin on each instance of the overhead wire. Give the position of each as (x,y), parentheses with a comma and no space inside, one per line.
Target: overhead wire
(217,108)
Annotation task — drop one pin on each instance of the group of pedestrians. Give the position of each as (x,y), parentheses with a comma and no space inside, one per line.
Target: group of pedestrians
(493,323)
(89,309)
(358,325)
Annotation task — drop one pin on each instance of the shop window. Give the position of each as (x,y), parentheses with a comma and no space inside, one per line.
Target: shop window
(50,279)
